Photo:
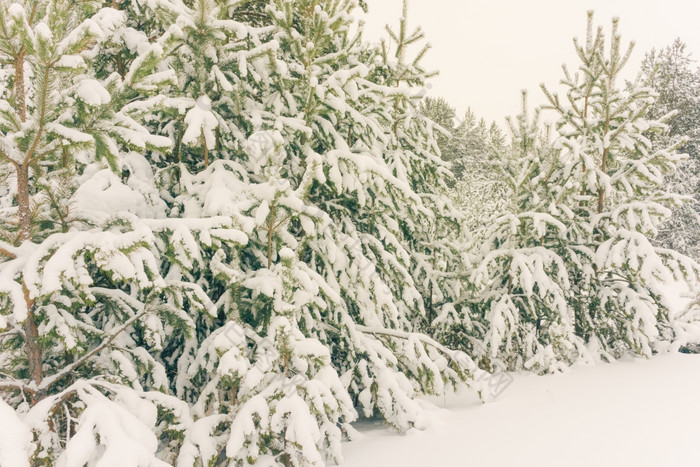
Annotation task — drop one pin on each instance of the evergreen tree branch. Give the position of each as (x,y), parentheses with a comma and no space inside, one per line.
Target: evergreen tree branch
(5,156)
(30,157)
(53,379)
(7,253)
(455,355)
(10,333)
(17,386)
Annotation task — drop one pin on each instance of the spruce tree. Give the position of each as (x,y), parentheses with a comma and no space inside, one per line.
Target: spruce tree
(442,113)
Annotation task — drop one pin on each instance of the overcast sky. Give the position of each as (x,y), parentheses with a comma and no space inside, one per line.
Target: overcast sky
(488,50)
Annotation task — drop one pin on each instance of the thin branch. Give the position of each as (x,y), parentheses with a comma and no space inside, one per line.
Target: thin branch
(53,379)
(453,354)
(279,224)
(3,155)
(10,333)
(17,386)
(29,158)
(7,253)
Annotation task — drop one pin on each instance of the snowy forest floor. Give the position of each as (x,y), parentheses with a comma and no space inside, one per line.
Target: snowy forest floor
(629,413)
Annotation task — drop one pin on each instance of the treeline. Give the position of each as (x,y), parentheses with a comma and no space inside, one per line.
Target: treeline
(226,231)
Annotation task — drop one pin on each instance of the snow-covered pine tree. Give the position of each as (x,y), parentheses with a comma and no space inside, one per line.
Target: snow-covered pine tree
(569,272)
(480,190)
(473,151)
(518,315)
(675,76)
(441,112)
(49,115)
(610,179)
(330,195)
(431,229)
(87,304)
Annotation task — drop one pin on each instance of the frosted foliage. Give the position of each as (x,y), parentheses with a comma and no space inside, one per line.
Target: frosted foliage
(568,271)
(92,92)
(234,237)
(673,74)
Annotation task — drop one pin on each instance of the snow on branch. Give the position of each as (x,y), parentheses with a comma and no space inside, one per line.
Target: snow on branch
(51,380)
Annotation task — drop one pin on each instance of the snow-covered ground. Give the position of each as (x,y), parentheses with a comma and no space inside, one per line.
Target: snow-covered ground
(629,413)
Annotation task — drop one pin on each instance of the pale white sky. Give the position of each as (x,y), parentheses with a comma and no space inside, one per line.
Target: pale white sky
(488,50)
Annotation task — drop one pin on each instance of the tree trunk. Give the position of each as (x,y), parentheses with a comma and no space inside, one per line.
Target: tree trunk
(205,149)
(604,167)
(20,100)
(24,207)
(31,345)
(31,333)
(270,232)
